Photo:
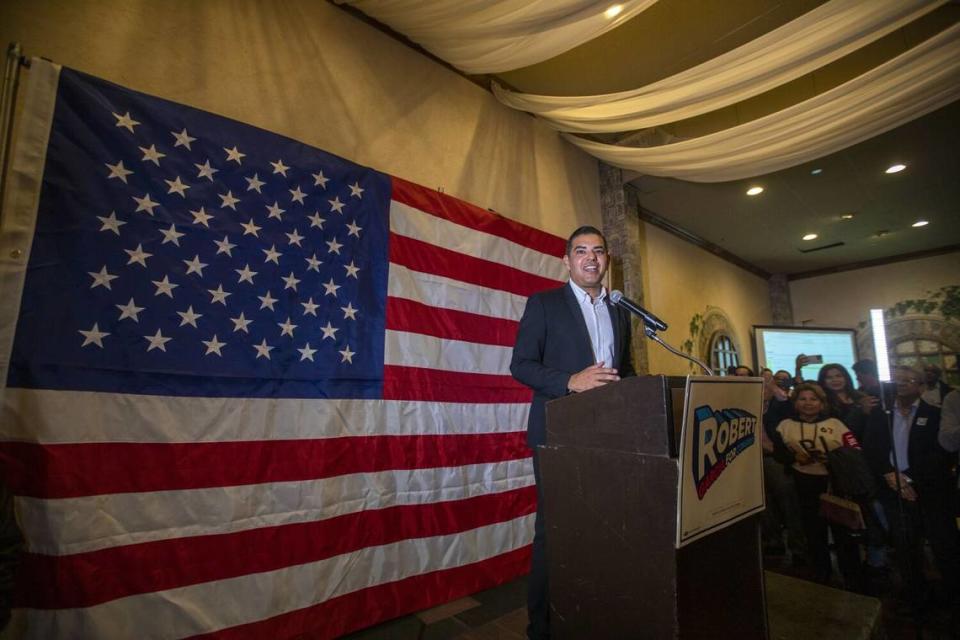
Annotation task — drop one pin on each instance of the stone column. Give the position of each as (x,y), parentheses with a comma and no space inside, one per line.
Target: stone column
(621,226)
(781,309)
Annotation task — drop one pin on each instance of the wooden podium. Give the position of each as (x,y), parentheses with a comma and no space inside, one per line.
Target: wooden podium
(609,473)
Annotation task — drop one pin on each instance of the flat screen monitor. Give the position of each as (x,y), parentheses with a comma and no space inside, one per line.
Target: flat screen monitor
(778,347)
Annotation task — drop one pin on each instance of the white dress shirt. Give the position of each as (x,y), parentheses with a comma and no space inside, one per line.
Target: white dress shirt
(599,325)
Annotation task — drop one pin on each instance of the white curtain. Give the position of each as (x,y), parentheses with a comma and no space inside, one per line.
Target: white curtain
(912,84)
(813,40)
(490,36)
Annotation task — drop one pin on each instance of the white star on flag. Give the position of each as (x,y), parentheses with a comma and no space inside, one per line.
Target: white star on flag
(246,275)
(352,270)
(189,317)
(219,295)
(316,220)
(150,154)
(110,223)
(213,346)
(336,205)
(349,312)
(157,341)
(118,171)
(171,235)
(275,211)
(291,282)
(354,229)
(320,180)
(101,279)
(177,186)
(125,121)
(272,255)
(254,183)
(129,310)
(294,238)
(329,331)
(183,139)
(200,216)
(250,229)
(334,246)
(234,154)
(224,246)
(309,308)
(263,349)
(138,255)
(296,195)
(355,190)
(164,287)
(279,167)
(347,355)
(206,171)
(145,204)
(240,323)
(93,336)
(331,288)
(306,353)
(313,264)
(286,328)
(195,266)
(266,302)
(228,201)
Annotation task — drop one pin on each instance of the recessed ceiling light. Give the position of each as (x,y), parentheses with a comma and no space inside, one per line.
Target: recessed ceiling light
(613,11)
(816,172)
(920,223)
(752,191)
(810,236)
(895,168)
(846,216)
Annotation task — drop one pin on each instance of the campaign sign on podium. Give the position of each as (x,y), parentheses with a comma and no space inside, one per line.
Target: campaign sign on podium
(721,460)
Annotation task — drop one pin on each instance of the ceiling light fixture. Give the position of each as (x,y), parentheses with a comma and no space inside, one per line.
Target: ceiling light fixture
(895,168)
(816,172)
(753,191)
(846,216)
(810,236)
(613,11)
(920,223)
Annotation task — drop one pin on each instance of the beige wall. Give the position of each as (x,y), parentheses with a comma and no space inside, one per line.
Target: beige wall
(681,280)
(845,299)
(305,69)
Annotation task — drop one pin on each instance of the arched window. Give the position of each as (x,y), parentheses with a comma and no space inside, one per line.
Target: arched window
(918,352)
(723,353)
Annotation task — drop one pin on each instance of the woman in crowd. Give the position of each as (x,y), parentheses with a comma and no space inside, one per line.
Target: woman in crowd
(804,442)
(843,401)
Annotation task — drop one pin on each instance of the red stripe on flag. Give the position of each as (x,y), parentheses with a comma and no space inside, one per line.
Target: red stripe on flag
(434,385)
(88,579)
(472,216)
(416,317)
(367,607)
(72,470)
(422,256)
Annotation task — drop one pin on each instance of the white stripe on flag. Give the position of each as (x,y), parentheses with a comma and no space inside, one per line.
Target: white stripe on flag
(76,525)
(49,417)
(446,293)
(413,223)
(210,606)
(418,350)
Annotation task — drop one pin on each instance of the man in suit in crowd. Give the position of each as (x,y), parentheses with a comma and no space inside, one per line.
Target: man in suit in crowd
(934,389)
(571,339)
(914,463)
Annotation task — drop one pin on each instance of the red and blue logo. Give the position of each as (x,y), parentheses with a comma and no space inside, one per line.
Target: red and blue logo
(718,438)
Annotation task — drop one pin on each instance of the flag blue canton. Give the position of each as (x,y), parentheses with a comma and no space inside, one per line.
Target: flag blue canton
(182,253)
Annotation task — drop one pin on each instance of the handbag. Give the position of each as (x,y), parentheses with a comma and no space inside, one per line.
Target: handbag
(840,511)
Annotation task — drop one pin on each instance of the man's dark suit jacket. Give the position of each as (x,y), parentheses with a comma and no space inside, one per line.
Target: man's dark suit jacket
(929,463)
(553,344)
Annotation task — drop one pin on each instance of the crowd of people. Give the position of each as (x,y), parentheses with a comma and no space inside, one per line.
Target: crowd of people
(871,467)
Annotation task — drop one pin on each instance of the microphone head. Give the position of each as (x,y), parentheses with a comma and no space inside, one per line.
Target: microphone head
(615,296)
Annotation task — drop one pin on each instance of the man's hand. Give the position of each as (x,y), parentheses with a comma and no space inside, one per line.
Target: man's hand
(596,375)
(906,489)
(867,403)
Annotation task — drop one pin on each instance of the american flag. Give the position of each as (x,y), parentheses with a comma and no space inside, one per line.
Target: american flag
(255,390)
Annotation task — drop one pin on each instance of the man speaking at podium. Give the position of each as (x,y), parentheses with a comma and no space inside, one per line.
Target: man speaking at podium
(570,339)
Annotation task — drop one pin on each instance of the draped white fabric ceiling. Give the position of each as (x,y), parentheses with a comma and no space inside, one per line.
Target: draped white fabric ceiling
(485,36)
(813,40)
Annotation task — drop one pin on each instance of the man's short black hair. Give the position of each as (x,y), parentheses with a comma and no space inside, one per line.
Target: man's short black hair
(583,231)
(865,366)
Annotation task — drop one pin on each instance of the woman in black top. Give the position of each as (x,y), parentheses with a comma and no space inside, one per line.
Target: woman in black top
(843,401)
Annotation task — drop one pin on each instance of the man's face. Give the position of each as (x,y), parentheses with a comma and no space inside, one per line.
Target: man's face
(868,381)
(587,262)
(908,384)
(931,374)
(782,380)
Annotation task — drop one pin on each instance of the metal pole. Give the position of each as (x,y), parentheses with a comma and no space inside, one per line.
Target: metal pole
(8,97)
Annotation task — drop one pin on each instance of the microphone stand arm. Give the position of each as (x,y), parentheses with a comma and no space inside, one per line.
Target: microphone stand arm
(651,333)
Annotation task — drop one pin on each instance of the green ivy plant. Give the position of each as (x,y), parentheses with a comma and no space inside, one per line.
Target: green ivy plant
(945,301)
(696,326)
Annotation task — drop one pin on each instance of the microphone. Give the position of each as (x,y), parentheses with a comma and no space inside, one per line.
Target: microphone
(652,321)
